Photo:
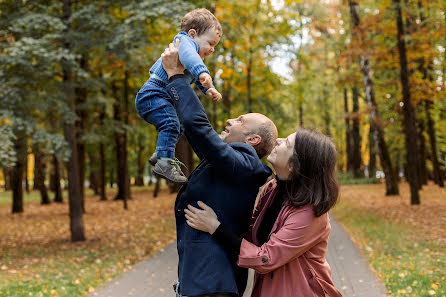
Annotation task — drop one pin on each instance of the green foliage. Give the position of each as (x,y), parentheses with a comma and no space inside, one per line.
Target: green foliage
(7,137)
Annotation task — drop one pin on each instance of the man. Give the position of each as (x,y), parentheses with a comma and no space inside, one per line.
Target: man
(227,179)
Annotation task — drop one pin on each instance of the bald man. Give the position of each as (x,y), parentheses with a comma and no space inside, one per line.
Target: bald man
(227,179)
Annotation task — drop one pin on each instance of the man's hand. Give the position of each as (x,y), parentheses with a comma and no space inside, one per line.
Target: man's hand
(214,94)
(171,60)
(205,80)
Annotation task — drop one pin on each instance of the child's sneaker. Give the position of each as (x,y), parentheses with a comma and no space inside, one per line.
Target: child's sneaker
(153,159)
(170,170)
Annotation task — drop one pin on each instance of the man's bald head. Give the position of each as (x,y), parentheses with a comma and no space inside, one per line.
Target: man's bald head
(253,128)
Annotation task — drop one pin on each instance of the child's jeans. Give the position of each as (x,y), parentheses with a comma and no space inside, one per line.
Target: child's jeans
(154,105)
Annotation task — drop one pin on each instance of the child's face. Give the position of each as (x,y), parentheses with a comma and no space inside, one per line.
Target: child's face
(207,41)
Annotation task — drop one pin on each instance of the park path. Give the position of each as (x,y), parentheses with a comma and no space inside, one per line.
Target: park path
(153,277)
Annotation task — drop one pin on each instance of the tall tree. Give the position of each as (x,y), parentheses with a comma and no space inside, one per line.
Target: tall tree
(102,170)
(39,179)
(438,175)
(372,153)
(409,112)
(348,136)
(55,176)
(386,163)
(422,173)
(18,170)
(120,116)
(81,94)
(74,192)
(356,146)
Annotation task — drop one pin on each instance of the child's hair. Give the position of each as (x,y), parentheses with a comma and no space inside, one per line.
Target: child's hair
(201,20)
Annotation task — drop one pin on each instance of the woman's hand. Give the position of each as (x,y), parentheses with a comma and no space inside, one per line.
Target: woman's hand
(203,219)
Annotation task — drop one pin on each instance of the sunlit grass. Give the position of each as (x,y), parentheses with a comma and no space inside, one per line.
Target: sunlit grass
(409,262)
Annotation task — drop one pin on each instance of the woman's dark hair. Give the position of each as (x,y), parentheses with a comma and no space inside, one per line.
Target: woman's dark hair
(313,177)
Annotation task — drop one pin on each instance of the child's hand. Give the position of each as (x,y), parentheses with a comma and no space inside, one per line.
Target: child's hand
(212,92)
(205,80)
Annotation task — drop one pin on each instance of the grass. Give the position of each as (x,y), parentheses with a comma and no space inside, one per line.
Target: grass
(409,258)
(6,197)
(349,179)
(37,257)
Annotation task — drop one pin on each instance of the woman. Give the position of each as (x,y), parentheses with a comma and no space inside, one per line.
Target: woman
(290,225)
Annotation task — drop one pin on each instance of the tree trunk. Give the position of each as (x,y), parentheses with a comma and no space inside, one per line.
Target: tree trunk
(102,168)
(184,153)
(93,180)
(39,164)
(372,152)
(438,175)
(214,114)
(326,114)
(348,142)
(139,180)
(422,173)
(18,171)
(248,80)
(94,172)
(7,177)
(425,66)
(226,94)
(26,174)
(301,114)
(112,176)
(409,115)
(227,100)
(381,146)
(56,180)
(149,173)
(82,113)
(356,151)
(325,94)
(157,187)
(102,172)
(121,115)
(36,172)
(74,193)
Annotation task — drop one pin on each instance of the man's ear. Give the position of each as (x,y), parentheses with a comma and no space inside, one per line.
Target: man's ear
(253,139)
(192,33)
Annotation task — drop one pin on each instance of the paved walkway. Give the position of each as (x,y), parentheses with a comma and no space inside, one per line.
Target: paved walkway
(153,277)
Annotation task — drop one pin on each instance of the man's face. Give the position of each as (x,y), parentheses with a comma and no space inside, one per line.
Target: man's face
(237,130)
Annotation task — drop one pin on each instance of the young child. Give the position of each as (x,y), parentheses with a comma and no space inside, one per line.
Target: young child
(200,33)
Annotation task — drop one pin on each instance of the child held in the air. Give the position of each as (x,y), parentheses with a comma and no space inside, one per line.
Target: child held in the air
(200,33)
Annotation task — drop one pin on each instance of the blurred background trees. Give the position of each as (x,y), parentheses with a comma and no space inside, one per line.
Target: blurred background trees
(368,73)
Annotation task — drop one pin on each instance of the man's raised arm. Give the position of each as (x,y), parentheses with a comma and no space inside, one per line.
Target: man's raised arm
(197,127)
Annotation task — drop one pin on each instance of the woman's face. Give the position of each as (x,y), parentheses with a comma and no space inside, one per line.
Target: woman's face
(281,154)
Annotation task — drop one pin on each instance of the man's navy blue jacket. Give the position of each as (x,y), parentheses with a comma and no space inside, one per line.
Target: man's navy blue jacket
(227,179)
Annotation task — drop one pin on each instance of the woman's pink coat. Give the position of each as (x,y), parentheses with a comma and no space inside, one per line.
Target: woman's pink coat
(292,263)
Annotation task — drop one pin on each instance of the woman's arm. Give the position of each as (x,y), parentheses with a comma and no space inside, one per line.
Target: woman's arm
(299,233)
